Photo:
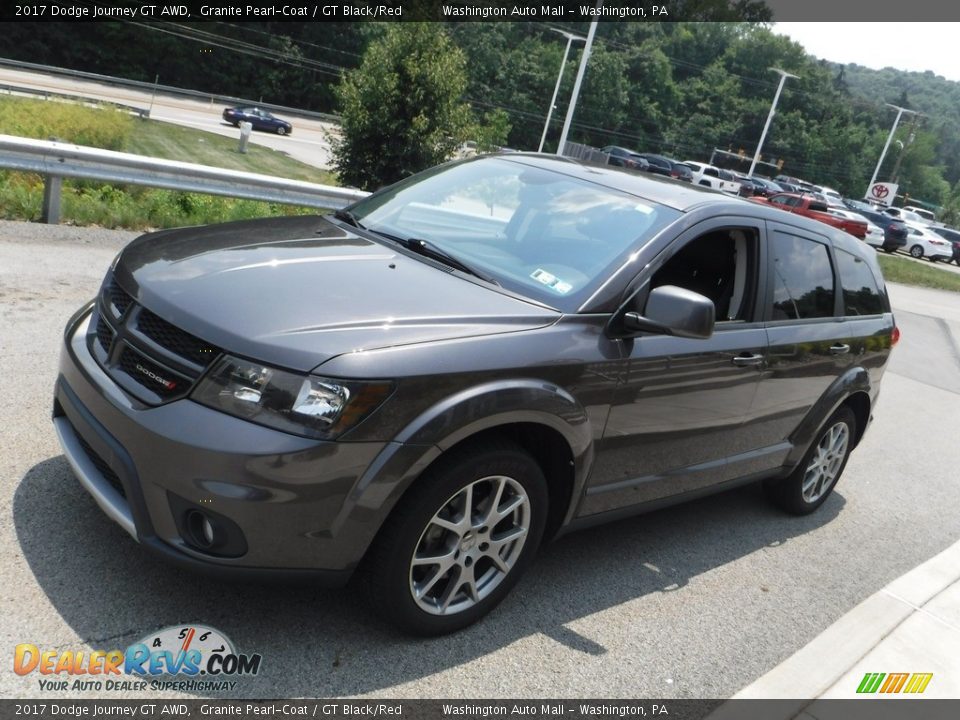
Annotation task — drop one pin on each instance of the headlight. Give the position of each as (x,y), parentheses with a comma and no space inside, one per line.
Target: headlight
(299,404)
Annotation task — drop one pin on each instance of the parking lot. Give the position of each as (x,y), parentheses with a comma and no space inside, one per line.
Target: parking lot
(693,601)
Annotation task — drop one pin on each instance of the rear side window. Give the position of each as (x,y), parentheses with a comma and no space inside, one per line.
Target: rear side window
(802,278)
(860,293)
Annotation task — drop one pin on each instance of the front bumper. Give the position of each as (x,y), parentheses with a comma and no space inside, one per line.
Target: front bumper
(303,507)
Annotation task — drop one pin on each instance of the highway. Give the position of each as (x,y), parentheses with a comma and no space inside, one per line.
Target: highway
(308,143)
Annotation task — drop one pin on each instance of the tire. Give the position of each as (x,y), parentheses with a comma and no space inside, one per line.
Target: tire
(889,251)
(916,251)
(811,483)
(424,598)
(281,131)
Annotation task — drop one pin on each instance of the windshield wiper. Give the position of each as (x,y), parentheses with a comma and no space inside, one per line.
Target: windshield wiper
(428,249)
(348,217)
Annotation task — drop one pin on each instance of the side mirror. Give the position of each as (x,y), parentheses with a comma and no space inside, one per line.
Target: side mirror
(673,310)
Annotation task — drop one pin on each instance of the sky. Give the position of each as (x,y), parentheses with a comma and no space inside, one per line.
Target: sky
(905,45)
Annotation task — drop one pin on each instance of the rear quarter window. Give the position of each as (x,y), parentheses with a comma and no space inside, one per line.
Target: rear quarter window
(861,296)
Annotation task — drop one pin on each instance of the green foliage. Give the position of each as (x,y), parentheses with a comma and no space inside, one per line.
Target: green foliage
(401,110)
(492,133)
(105,128)
(111,206)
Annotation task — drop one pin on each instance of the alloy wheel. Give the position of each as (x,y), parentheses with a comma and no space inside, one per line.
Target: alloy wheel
(824,467)
(470,545)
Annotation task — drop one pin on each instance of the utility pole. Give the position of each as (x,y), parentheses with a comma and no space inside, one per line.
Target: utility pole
(546,126)
(894,176)
(581,71)
(883,154)
(763,136)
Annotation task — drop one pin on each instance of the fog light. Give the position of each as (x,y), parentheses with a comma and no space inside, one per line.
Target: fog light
(202,531)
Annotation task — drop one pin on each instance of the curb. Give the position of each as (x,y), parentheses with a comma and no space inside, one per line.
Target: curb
(815,668)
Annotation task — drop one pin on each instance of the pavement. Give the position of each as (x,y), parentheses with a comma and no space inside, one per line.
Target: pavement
(910,626)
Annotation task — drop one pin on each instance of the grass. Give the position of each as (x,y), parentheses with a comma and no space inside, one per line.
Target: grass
(175,142)
(88,202)
(908,272)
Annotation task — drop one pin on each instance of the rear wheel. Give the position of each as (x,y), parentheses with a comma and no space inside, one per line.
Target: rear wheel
(916,251)
(457,543)
(808,487)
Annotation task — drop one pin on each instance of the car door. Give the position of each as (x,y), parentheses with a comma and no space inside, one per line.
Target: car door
(809,347)
(676,423)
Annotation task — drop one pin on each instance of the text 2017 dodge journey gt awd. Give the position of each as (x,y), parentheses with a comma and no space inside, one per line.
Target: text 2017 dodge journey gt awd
(428,384)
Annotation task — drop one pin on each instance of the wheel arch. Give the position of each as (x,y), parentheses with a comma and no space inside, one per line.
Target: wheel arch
(540,417)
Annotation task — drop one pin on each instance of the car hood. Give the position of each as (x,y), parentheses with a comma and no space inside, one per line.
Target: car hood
(296,292)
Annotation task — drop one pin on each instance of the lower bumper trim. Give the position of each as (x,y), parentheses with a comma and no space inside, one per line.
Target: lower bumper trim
(109,500)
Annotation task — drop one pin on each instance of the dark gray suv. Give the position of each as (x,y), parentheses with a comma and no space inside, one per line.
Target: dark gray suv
(427,385)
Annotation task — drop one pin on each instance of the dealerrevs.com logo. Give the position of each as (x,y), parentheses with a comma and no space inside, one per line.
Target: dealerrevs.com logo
(179,657)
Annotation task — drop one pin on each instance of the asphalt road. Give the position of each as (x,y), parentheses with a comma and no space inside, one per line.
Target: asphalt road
(694,601)
(308,143)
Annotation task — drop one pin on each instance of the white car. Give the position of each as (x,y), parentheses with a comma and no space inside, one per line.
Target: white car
(875,234)
(834,199)
(908,216)
(926,217)
(710,176)
(923,242)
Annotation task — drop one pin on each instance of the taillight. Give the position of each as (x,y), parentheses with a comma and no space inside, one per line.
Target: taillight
(894,336)
(674,174)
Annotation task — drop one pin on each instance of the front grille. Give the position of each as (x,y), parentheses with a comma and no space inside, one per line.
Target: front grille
(104,334)
(175,340)
(148,356)
(153,377)
(102,467)
(118,298)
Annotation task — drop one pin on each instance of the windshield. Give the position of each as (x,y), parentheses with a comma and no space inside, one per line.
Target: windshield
(549,236)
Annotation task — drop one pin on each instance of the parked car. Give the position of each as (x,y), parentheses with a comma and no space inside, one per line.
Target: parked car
(260,119)
(833,198)
(922,241)
(748,186)
(679,171)
(926,216)
(623,157)
(659,165)
(713,177)
(907,216)
(874,234)
(953,236)
(894,230)
(425,393)
(767,186)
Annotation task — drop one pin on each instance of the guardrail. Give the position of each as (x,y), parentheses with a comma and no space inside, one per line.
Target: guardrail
(143,113)
(165,89)
(56,160)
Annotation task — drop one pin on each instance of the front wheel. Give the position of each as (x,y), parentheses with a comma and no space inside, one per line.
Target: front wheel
(281,131)
(916,251)
(457,543)
(808,487)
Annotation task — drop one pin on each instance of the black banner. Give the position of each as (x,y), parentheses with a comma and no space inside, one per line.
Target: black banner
(474,10)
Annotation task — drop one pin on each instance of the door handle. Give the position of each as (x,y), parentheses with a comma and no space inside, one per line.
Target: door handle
(746,360)
(839,349)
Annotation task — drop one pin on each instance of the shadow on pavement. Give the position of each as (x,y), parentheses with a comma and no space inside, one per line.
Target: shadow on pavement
(324,642)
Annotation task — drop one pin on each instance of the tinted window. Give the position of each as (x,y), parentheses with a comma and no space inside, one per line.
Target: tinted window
(802,278)
(860,293)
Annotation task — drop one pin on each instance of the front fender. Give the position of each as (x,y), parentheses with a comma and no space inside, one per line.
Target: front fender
(454,419)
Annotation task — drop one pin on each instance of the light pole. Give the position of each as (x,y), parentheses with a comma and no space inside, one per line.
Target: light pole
(883,154)
(763,136)
(570,38)
(576,85)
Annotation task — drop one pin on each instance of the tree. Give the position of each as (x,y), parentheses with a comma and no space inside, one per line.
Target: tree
(402,109)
